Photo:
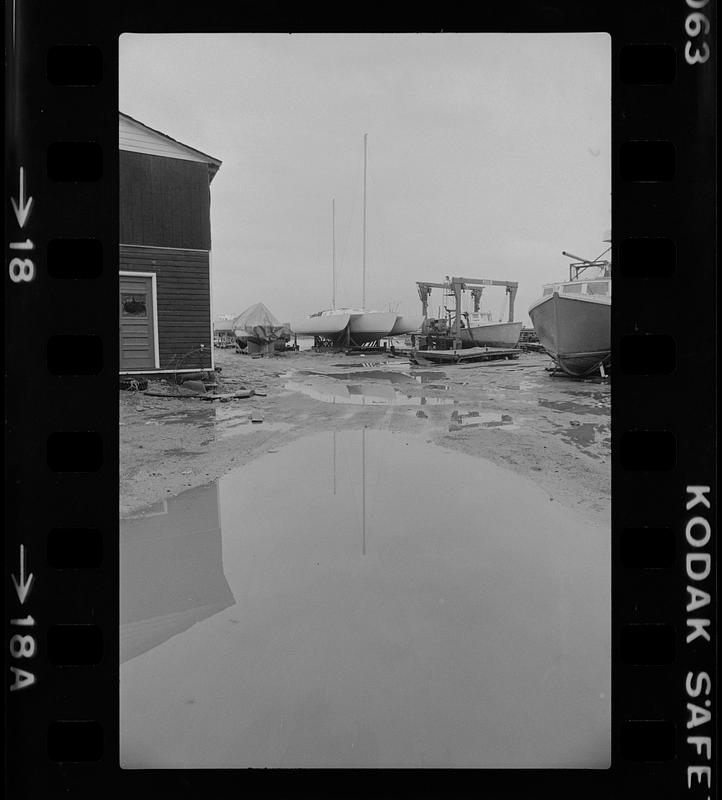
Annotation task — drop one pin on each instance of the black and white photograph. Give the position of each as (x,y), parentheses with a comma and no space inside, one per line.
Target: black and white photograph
(365,370)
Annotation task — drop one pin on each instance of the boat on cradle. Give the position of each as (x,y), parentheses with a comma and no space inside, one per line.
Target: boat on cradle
(324,324)
(364,327)
(257,328)
(351,326)
(407,324)
(573,318)
(370,326)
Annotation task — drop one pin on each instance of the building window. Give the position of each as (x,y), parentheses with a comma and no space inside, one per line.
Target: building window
(134,305)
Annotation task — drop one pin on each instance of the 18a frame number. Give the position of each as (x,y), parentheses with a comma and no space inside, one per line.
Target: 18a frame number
(695,24)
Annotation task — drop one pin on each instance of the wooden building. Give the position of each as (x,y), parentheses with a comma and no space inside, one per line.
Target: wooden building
(166,322)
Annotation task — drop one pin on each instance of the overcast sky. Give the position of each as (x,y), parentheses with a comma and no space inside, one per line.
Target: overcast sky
(488,154)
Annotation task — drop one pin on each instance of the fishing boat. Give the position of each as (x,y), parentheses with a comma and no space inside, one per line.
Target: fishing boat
(573,318)
(482,331)
(469,328)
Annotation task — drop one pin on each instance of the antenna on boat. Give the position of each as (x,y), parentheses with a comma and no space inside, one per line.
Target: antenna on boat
(333,250)
(363,294)
(576,258)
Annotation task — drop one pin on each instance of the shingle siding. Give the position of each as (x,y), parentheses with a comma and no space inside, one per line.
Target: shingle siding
(164,202)
(184,303)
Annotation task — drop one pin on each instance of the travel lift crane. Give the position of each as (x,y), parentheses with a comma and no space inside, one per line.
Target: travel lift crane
(456,286)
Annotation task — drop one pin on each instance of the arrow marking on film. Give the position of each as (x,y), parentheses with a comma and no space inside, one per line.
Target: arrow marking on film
(21,208)
(22,587)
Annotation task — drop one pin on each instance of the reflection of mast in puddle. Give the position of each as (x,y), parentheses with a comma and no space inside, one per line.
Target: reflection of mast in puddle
(363,483)
(363,491)
(334,463)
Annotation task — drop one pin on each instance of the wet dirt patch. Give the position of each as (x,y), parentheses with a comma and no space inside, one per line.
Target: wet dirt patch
(575,408)
(586,436)
(481,419)
(179,451)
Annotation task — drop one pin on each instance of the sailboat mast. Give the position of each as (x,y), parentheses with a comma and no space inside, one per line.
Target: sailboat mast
(333,251)
(363,295)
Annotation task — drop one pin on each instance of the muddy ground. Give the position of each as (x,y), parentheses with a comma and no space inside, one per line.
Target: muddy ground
(552,430)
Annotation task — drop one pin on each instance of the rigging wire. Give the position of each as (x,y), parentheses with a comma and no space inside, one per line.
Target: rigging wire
(603,253)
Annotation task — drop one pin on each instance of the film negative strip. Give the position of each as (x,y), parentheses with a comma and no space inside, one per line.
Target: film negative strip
(296,693)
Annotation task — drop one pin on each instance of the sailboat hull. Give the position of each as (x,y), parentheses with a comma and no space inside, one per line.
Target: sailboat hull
(371,326)
(406,324)
(322,325)
(491,334)
(574,330)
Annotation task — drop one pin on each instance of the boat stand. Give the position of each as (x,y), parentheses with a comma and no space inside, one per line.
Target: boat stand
(465,355)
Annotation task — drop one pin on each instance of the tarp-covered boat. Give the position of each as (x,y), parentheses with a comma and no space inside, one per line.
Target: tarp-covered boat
(258,325)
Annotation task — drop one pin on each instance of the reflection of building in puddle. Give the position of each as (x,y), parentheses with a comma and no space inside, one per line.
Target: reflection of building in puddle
(362,395)
(171,569)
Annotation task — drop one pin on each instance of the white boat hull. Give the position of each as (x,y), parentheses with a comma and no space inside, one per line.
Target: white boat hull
(575,330)
(370,326)
(363,326)
(323,325)
(406,324)
(491,334)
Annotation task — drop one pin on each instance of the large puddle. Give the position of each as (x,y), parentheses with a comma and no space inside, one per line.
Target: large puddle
(364,599)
